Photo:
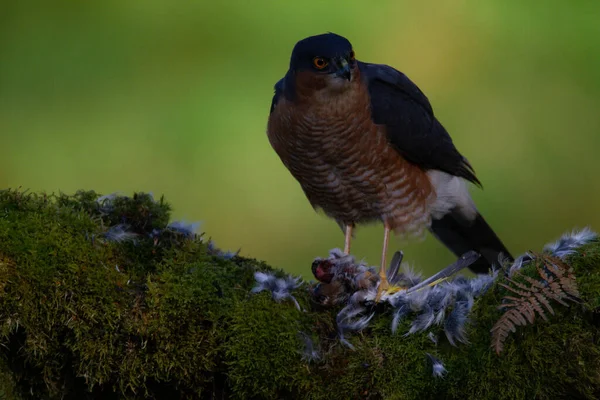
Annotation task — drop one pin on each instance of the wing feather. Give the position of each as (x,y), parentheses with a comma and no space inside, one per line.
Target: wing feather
(399,105)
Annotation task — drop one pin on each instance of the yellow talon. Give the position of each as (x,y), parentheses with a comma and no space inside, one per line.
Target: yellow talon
(383,287)
(387,288)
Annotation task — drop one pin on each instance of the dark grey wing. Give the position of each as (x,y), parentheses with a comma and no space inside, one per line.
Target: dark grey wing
(278,92)
(399,105)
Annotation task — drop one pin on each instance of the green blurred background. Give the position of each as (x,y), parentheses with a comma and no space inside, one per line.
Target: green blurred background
(173,98)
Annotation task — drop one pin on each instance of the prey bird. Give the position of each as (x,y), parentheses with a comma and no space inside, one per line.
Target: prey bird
(363,143)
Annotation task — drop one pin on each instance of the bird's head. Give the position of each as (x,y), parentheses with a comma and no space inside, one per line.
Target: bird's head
(324,61)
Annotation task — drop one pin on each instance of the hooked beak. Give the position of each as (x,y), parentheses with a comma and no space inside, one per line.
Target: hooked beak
(344,71)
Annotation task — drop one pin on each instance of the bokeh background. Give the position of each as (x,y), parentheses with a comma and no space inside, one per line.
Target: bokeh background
(173,98)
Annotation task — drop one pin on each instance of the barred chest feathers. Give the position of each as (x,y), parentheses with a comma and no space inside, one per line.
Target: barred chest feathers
(346,166)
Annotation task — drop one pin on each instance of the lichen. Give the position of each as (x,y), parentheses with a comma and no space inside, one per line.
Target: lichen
(151,310)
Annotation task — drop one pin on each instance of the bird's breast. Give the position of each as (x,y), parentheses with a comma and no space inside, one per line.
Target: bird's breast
(346,166)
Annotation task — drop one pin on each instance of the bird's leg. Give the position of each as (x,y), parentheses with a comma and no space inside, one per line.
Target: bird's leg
(348,239)
(383,282)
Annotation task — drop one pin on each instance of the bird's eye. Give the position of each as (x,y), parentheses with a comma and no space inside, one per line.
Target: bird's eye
(319,62)
(352,58)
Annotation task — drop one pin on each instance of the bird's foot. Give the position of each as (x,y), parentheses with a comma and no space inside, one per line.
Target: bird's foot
(388,289)
(384,286)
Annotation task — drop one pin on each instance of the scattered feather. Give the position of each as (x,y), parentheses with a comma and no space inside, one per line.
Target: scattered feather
(215,251)
(107,198)
(345,320)
(437,366)
(346,343)
(106,203)
(186,229)
(280,288)
(401,310)
(119,234)
(418,300)
(409,275)
(441,296)
(399,314)
(454,325)
(310,352)
(346,323)
(440,316)
(567,244)
(482,283)
(433,338)
(423,321)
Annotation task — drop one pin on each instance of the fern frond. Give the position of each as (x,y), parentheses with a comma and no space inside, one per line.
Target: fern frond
(542,273)
(557,283)
(503,327)
(514,290)
(524,288)
(535,282)
(542,299)
(515,301)
(556,293)
(565,275)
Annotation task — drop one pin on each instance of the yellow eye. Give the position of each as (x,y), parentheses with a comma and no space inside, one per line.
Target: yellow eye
(352,55)
(319,62)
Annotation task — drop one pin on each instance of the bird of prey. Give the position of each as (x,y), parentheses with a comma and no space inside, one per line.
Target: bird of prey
(363,143)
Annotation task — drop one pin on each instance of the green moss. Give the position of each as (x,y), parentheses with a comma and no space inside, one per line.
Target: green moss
(8,387)
(159,316)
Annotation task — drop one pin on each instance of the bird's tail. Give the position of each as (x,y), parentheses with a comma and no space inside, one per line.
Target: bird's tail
(460,236)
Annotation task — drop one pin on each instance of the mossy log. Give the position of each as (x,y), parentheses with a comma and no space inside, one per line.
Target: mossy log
(107,300)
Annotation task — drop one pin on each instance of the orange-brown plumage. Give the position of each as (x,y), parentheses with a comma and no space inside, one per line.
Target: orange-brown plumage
(343,160)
